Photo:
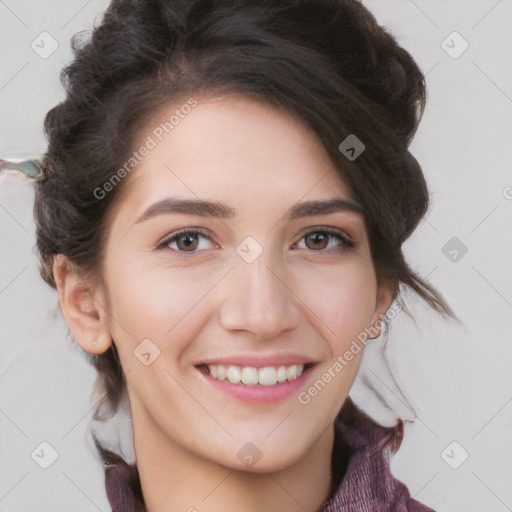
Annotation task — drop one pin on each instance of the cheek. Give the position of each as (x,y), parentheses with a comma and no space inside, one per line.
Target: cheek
(343,300)
(156,304)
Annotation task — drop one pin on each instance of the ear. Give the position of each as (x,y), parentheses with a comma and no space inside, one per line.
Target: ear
(82,307)
(385,292)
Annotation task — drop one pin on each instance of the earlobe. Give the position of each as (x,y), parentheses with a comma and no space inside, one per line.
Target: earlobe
(385,293)
(82,308)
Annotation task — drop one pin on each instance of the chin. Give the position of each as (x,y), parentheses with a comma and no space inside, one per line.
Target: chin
(266,456)
(270,463)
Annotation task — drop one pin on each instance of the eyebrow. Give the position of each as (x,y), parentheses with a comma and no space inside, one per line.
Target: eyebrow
(217,209)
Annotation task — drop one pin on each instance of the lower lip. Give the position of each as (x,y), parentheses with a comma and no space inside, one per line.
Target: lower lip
(259,393)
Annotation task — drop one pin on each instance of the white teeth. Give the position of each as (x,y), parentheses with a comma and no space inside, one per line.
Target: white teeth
(251,376)
(221,372)
(234,374)
(267,376)
(291,372)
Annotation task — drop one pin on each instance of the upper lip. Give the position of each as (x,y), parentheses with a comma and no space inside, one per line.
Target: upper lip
(259,361)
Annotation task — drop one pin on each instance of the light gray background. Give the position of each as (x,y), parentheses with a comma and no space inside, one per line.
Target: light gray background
(456,378)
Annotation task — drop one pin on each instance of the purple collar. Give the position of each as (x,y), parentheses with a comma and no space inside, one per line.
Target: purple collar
(362,480)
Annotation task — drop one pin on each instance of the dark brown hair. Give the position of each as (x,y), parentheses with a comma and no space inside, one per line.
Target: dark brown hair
(326,62)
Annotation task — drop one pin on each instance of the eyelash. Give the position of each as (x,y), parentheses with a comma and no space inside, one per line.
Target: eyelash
(347,244)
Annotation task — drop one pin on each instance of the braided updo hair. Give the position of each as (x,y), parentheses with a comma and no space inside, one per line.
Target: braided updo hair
(326,62)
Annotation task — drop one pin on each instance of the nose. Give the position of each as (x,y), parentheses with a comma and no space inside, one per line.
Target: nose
(260,299)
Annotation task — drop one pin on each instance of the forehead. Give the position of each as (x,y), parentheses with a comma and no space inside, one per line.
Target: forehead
(235,149)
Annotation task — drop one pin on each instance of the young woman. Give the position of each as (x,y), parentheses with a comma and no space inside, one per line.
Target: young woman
(226,191)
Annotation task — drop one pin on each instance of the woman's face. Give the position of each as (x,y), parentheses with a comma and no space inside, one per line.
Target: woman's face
(256,288)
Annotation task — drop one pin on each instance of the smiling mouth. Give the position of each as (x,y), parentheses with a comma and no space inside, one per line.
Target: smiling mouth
(253,376)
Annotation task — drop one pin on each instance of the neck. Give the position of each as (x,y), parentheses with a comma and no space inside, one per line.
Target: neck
(173,478)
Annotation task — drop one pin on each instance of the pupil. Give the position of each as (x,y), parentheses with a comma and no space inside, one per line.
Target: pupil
(317,236)
(188,240)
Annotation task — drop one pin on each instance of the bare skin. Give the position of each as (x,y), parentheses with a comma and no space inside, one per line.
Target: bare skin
(204,300)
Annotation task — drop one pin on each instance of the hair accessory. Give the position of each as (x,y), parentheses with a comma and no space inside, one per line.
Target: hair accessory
(30,169)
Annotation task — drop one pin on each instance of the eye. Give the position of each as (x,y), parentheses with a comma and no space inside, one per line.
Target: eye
(185,240)
(319,240)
